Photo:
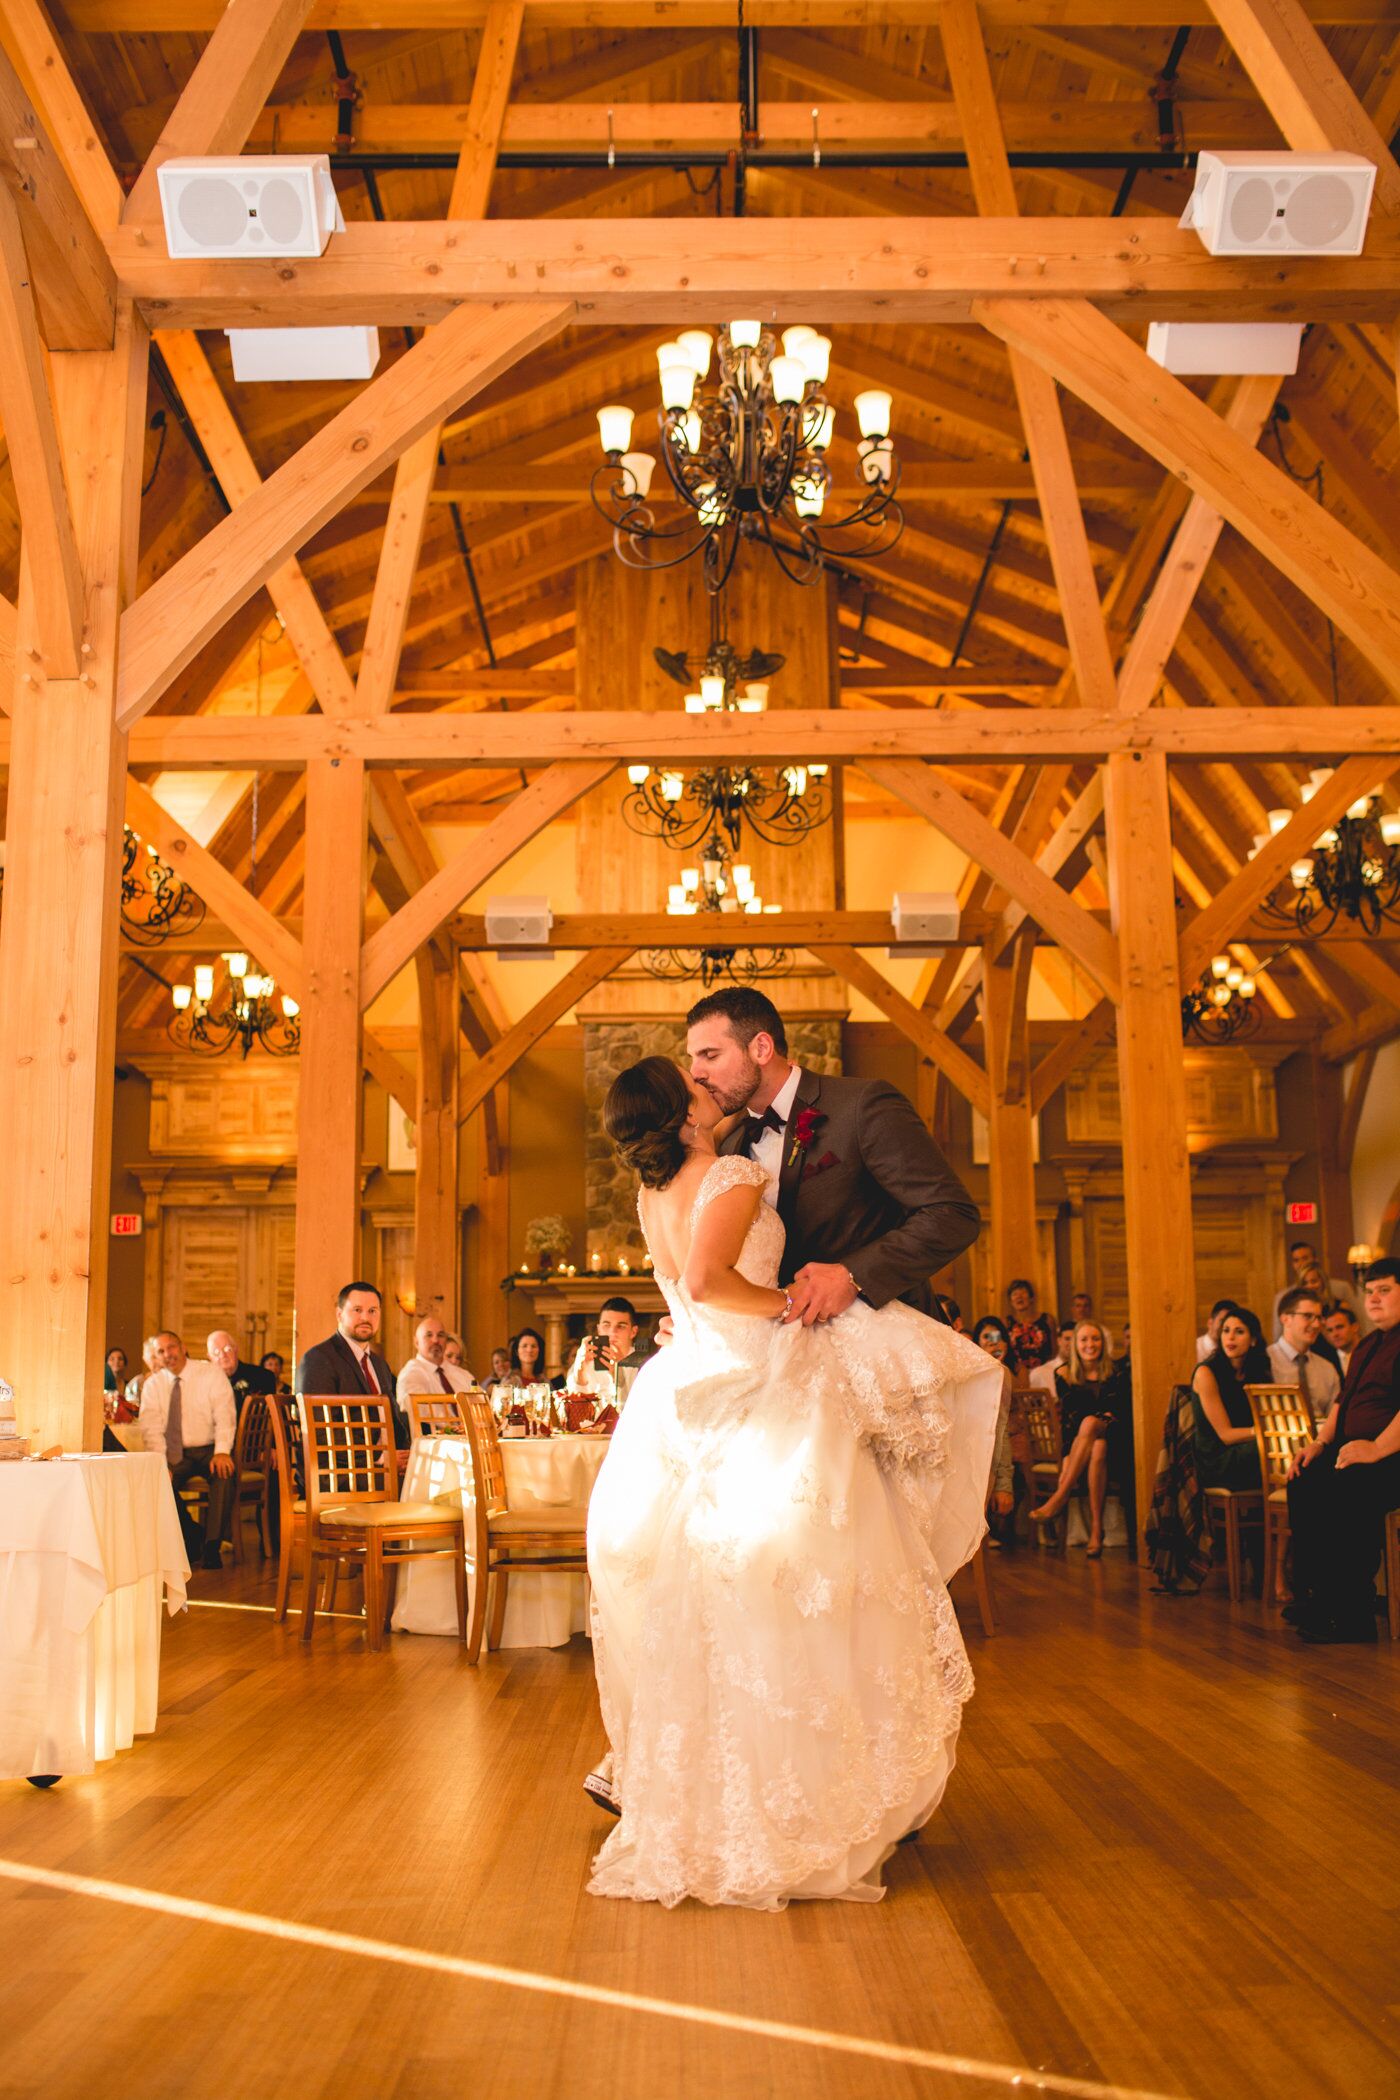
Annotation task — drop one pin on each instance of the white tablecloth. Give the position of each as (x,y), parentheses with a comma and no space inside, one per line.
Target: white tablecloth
(88,1545)
(542,1611)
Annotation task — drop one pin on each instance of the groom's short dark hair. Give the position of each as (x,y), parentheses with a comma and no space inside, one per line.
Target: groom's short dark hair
(748,1012)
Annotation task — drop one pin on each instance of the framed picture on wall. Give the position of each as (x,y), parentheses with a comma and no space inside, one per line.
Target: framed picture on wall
(403,1141)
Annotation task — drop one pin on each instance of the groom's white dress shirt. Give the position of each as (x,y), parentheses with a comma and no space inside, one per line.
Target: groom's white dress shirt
(767,1148)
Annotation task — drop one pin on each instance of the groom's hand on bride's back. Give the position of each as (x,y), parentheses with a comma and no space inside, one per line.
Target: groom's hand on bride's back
(821,1291)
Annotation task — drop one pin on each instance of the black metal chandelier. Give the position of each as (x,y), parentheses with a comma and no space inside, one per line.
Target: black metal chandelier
(746,459)
(1221,1008)
(1353,872)
(246,1011)
(682,809)
(155,902)
(719,888)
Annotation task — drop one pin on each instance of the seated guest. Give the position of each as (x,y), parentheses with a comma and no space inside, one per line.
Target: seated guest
(1207,1343)
(1303,1255)
(1293,1358)
(989,1334)
(1226,1453)
(150,1358)
(1096,1415)
(187,1414)
(1044,1375)
(1344,1482)
(1032,1331)
(1313,1279)
(527,1361)
(244,1378)
(1081,1307)
(607,1361)
(430,1371)
(455,1352)
(114,1371)
(500,1370)
(275,1363)
(346,1365)
(1343,1331)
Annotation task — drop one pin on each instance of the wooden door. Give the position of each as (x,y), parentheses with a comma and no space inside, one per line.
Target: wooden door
(207,1273)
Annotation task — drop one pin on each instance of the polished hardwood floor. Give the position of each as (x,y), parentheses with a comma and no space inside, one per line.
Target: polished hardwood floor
(1167,1864)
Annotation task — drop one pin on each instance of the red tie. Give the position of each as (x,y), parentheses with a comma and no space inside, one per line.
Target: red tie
(443,1380)
(367,1373)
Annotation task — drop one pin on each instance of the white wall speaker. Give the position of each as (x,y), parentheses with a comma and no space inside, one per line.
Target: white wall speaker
(1247,347)
(519,923)
(261,354)
(235,204)
(925,922)
(1281,203)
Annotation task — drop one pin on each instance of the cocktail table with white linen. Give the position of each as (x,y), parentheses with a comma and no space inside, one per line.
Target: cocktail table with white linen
(88,1544)
(542,1611)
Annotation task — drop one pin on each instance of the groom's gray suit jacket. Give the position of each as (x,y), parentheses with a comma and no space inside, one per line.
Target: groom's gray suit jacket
(870,1189)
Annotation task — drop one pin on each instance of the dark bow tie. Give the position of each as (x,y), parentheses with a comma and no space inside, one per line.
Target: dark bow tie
(769,1120)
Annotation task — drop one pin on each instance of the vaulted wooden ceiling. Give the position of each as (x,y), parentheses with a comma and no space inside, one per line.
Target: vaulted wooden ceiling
(1096,114)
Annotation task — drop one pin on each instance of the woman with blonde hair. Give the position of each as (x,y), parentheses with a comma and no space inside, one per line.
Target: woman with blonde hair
(1096,1417)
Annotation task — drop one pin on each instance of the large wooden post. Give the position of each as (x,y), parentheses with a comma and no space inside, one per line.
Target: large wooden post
(1009,1120)
(58,948)
(1152,1081)
(488,1318)
(436,1212)
(331,1095)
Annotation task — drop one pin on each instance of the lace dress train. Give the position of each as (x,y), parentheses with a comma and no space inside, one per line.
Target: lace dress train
(779,1665)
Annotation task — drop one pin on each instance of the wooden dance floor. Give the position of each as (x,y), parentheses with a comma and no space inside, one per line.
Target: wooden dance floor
(1167,1864)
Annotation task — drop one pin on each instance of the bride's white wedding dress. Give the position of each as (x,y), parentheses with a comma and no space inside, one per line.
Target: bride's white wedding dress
(779,1665)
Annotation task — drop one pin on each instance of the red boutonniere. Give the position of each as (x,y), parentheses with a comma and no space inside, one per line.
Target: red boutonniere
(804,1129)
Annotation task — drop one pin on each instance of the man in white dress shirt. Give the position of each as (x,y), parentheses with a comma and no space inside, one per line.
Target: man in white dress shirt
(610,1377)
(429,1371)
(1293,1357)
(187,1414)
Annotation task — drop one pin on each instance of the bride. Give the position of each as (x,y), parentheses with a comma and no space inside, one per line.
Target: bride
(779,1666)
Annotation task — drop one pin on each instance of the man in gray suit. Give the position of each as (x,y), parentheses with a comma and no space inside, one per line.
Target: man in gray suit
(871,1206)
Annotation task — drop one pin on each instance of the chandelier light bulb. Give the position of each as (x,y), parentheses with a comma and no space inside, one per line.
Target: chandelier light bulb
(755,698)
(1360,809)
(1220,966)
(743,875)
(640,466)
(677,386)
(713,871)
(815,354)
(796,339)
(1328,842)
(819,772)
(289,1006)
(690,880)
(711,509)
(873,413)
(753,905)
(809,498)
(690,427)
(1278,819)
(788,378)
(695,346)
(1390,828)
(795,779)
(639,775)
(770,909)
(675,899)
(672,787)
(181,995)
(1300,874)
(1234,977)
(876,459)
(826,425)
(615,427)
(237,964)
(695,703)
(712,691)
(745,335)
(204,982)
(1246,988)
(1220,995)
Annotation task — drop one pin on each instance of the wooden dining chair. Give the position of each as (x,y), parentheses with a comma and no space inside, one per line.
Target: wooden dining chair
(1039,1413)
(353,1511)
(437,1414)
(1283,1423)
(285,1424)
(509,1539)
(252,1471)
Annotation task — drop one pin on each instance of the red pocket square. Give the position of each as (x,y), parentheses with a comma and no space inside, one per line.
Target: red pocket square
(819,1166)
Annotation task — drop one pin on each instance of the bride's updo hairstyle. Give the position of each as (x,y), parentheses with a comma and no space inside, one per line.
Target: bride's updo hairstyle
(643,1114)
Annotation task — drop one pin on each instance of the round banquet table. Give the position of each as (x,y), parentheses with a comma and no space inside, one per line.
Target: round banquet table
(542,1611)
(88,1544)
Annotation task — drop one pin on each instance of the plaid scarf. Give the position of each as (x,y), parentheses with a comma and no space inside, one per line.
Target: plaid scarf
(1178,1535)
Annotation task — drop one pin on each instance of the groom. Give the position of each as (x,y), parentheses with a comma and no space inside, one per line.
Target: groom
(871,1206)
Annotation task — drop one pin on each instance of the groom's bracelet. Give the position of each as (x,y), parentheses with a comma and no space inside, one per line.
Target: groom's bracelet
(786,1312)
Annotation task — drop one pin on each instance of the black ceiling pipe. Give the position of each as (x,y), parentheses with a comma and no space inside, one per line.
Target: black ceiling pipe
(760,157)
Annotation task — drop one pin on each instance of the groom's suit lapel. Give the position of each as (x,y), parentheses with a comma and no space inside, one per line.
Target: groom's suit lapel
(790,1178)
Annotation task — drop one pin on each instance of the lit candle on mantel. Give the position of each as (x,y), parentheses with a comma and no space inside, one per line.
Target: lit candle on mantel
(595,1261)
(624,1267)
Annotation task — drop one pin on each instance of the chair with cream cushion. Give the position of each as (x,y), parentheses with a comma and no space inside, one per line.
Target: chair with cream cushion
(353,1511)
(437,1414)
(509,1538)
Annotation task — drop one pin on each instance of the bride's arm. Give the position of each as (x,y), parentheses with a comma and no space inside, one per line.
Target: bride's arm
(710,1275)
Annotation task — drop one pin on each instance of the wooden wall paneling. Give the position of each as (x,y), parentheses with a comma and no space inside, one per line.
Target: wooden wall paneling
(1156,1164)
(58,934)
(437,1218)
(330,1110)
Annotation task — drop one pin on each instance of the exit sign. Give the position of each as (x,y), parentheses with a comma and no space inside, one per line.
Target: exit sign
(126,1224)
(1302,1214)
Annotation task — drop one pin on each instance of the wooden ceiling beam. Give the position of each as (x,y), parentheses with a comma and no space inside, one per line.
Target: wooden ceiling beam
(28,40)
(142,17)
(908,269)
(957,1067)
(1344,577)
(224,96)
(589,971)
(172,620)
(74,284)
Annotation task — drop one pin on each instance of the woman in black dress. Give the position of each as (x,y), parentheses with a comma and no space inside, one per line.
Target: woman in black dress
(1096,1416)
(1226,1453)
(1033,1334)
